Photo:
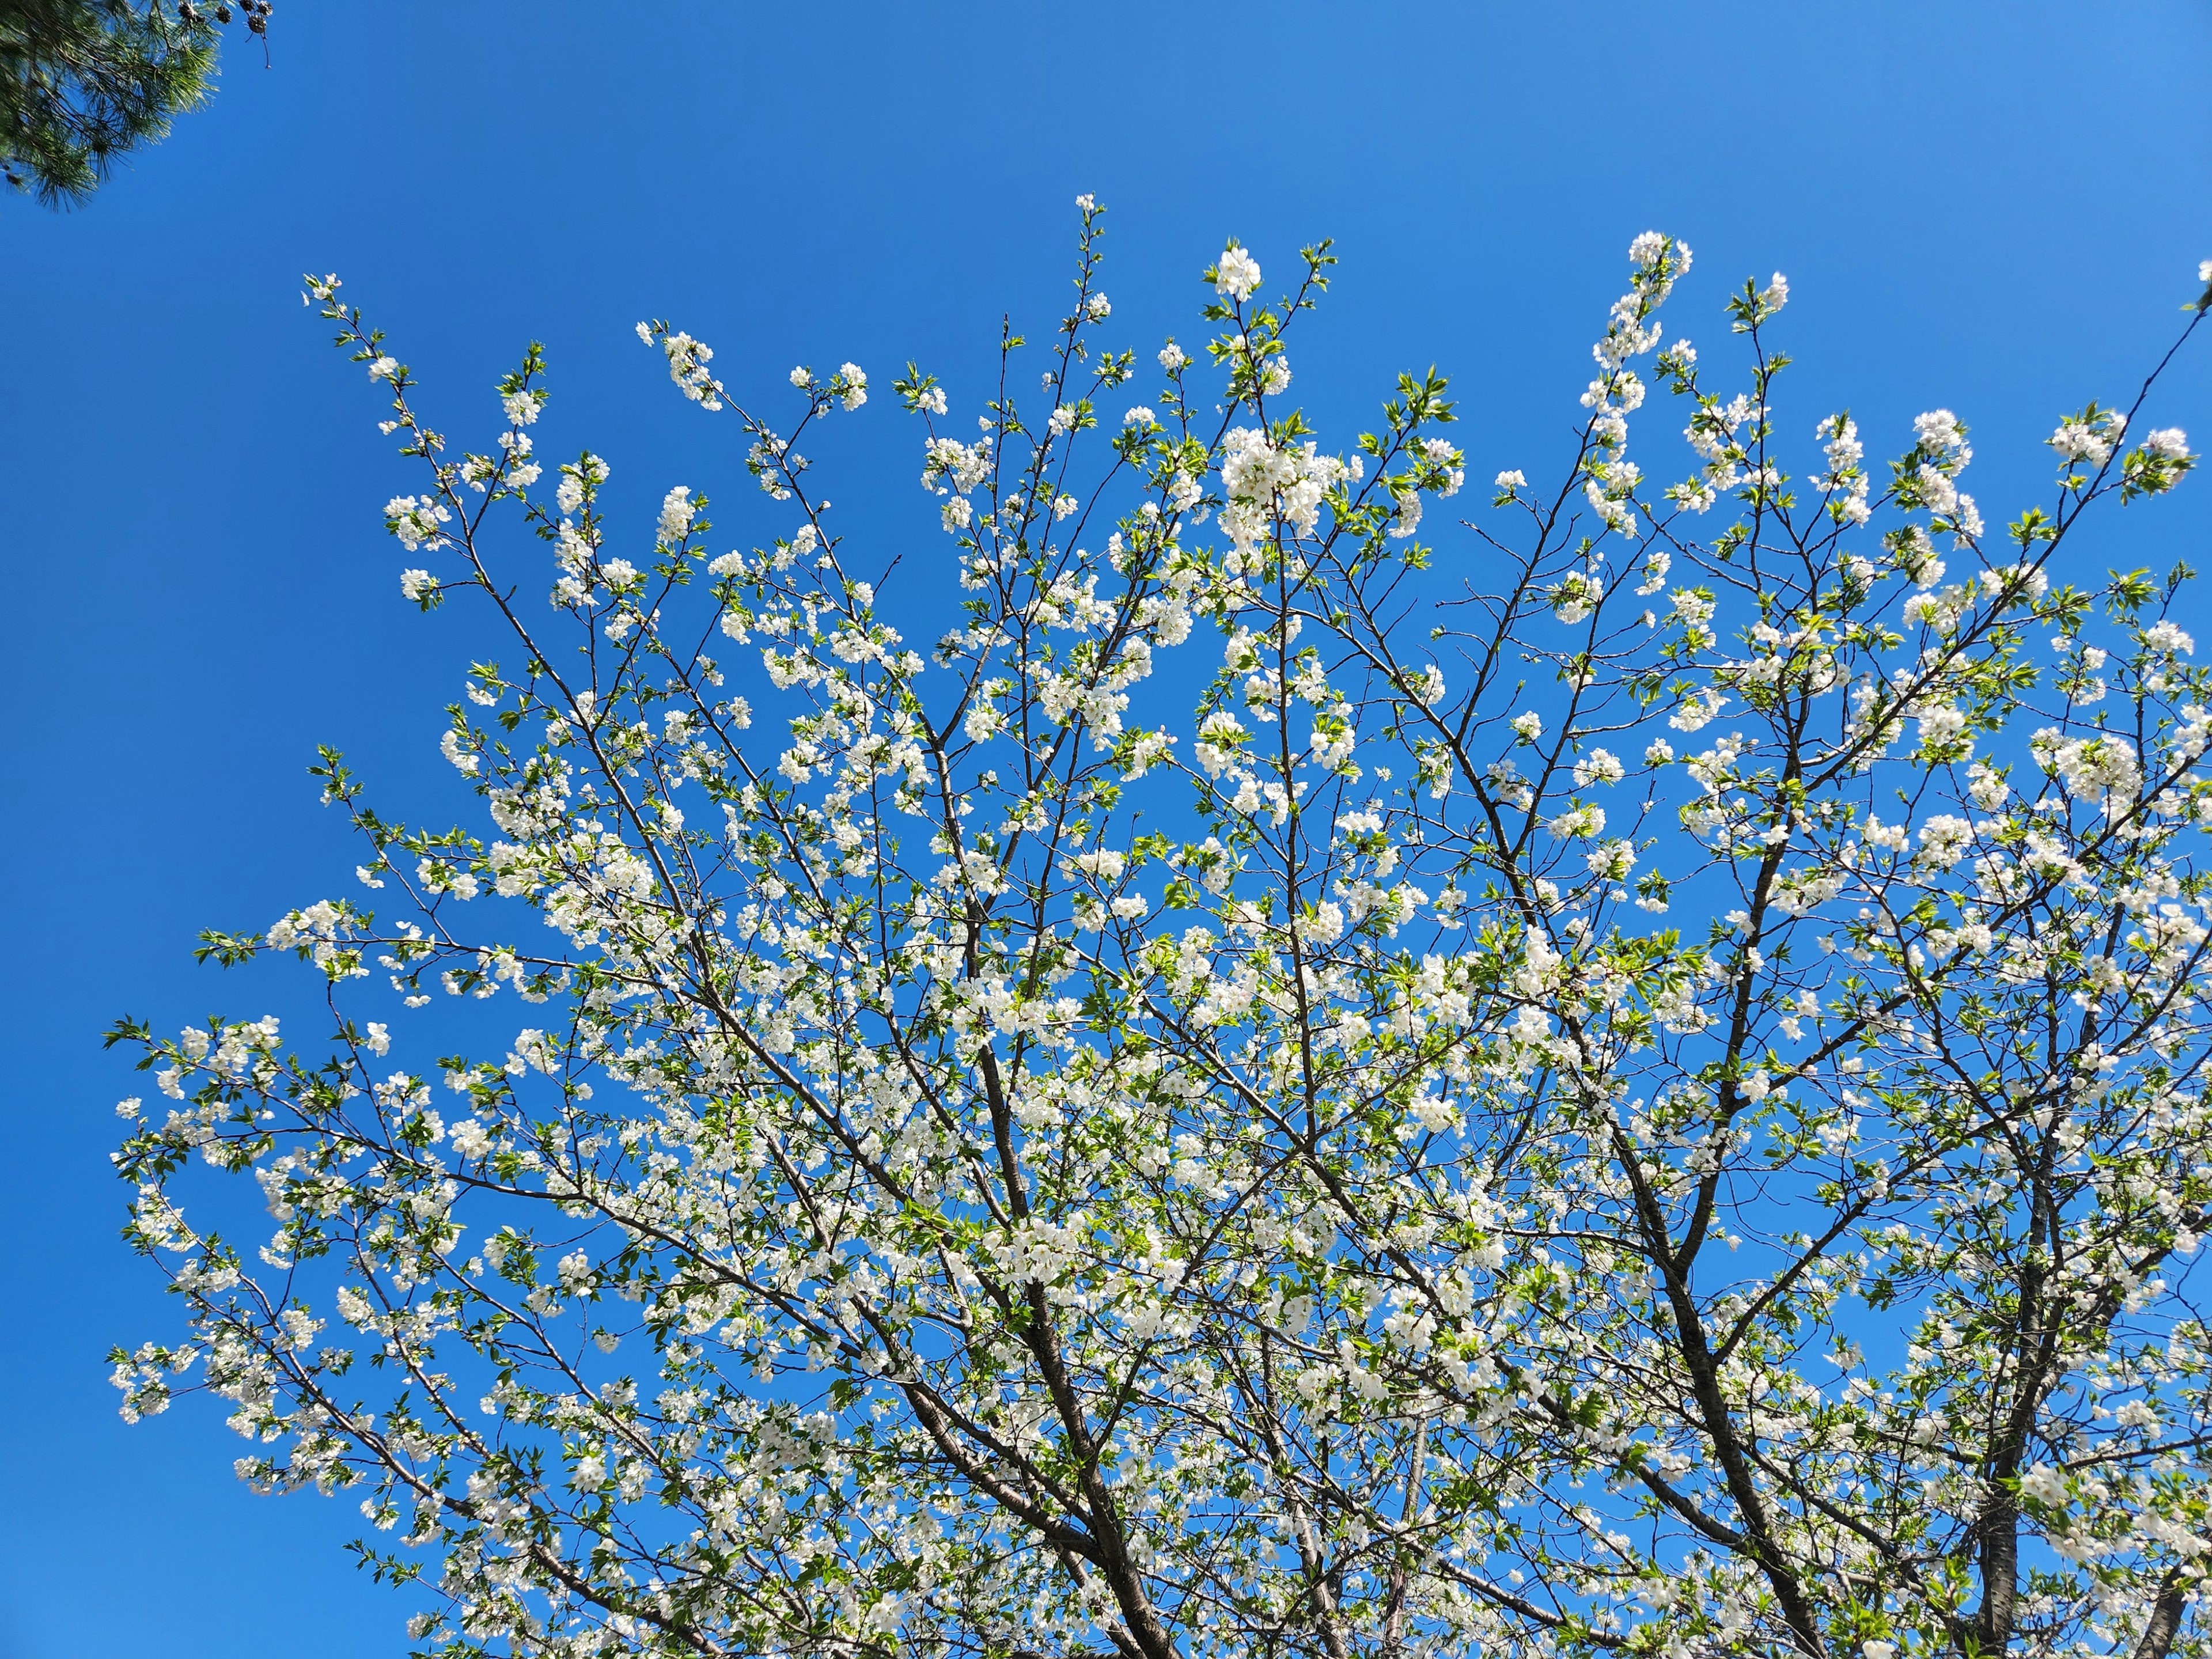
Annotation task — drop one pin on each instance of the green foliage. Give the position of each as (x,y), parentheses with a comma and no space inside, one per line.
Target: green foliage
(83,83)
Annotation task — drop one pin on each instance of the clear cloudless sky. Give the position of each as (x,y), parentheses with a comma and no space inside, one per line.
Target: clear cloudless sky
(1996,208)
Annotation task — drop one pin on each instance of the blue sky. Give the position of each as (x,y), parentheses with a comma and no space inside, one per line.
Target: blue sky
(1995,208)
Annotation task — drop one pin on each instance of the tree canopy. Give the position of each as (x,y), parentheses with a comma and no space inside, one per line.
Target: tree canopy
(1622,1075)
(84,82)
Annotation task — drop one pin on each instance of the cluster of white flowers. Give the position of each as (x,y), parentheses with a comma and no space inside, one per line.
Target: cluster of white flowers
(1939,455)
(415,521)
(1846,480)
(677,512)
(1237,274)
(2100,768)
(2090,437)
(687,363)
(1268,486)
(1658,263)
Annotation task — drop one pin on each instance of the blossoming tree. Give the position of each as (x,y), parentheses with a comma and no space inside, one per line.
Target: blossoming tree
(1183,1117)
